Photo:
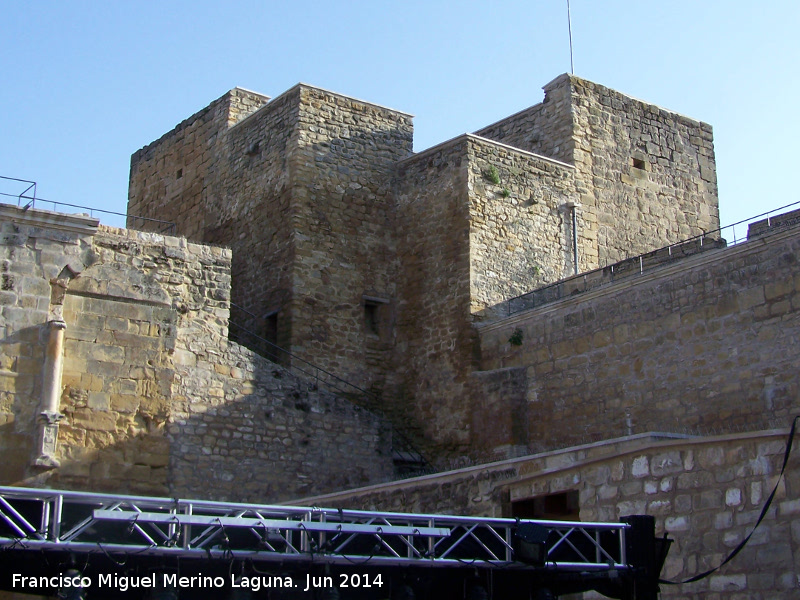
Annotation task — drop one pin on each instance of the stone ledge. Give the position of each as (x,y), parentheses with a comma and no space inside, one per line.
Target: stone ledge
(298,86)
(471,136)
(556,82)
(616,448)
(35,217)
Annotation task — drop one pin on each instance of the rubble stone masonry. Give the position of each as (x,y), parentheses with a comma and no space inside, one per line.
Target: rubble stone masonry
(646,176)
(705,493)
(173,178)
(704,344)
(309,219)
(520,227)
(435,339)
(352,252)
(300,189)
(155,399)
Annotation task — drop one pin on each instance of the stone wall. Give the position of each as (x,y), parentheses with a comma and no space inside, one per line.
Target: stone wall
(170,178)
(250,431)
(547,128)
(35,248)
(351,255)
(435,339)
(465,243)
(499,423)
(699,345)
(705,493)
(301,191)
(518,218)
(520,227)
(155,399)
(253,214)
(646,176)
(651,172)
(345,251)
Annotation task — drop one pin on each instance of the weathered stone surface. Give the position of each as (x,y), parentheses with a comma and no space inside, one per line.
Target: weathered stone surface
(675,363)
(395,270)
(389,254)
(151,385)
(702,525)
(648,174)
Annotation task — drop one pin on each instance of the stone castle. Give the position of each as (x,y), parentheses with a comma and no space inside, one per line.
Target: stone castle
(378,264)
(551,292)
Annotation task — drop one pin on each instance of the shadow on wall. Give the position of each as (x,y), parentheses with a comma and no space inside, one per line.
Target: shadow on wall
(283,439)
(21,359)
(157,401)
(278,438)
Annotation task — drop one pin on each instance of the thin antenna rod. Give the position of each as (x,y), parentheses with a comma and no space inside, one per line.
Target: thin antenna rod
(569,27)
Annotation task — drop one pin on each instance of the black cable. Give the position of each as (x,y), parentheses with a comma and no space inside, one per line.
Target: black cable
(764,510)
(111,558)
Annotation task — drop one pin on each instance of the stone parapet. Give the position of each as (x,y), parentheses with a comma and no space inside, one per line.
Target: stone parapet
(699,345)
(36,217)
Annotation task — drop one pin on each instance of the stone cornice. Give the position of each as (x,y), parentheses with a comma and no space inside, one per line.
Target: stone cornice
(556,460)
(34,217)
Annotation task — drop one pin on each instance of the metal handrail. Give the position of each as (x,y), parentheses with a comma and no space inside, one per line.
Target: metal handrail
(167,227)
(277,352)
(26,190)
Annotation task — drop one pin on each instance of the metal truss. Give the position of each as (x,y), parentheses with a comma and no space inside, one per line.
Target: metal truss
(78,522)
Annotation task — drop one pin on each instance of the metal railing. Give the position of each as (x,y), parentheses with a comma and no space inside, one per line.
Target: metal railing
(163,227)
(271,351)
(403,449)
(638,265)
(31,186)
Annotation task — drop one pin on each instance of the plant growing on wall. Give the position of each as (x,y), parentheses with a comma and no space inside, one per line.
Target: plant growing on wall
(492,175)
(505,192)
(516,337)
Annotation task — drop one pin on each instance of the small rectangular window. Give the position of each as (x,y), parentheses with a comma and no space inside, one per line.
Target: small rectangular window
(270,337)
(638,163)
(371,322)
(179,174)
(375,314)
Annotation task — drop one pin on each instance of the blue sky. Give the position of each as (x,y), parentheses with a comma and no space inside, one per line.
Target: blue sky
(85,84)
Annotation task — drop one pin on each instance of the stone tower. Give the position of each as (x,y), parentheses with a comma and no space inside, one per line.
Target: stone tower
(375,263)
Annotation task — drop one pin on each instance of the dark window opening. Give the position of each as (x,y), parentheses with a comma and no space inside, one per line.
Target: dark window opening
(371,322)
(271,330)
(638,163)
(563,506)
(180,173)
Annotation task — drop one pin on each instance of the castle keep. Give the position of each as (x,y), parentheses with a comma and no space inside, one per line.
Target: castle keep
(551,292)
(376,263)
